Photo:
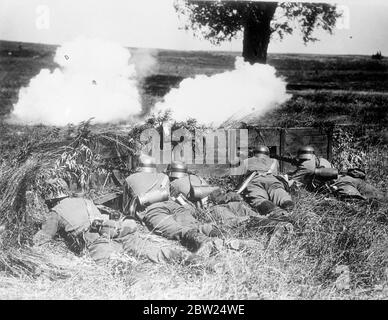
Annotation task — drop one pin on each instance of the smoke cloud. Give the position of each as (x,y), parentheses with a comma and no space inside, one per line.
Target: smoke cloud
(246,92)
(144,60)
(95,78)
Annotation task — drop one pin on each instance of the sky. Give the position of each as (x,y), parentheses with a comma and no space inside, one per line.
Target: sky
(155,24)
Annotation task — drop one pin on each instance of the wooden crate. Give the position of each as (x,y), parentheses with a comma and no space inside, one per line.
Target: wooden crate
(281,141)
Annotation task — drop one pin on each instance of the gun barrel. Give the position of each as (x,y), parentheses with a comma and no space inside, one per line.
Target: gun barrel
(293,161)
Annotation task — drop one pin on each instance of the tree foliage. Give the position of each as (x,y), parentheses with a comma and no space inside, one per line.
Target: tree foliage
(219,21)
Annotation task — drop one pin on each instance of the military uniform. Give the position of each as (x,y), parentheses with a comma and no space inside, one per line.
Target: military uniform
(165,218)
(73,218)
(140,183)
(266,191)
(352,184)
(228,210)
(305,173)
(228,213)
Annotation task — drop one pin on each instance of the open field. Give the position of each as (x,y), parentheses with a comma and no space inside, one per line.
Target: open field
(306,265)
(341,83)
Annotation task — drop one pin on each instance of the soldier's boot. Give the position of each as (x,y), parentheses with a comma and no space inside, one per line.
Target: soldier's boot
(288,205)
(279,234)
(198,243)
(266,207)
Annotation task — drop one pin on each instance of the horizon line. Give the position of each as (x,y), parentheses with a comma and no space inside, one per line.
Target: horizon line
(203,50)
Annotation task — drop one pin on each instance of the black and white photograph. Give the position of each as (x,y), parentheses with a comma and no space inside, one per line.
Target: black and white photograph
(216,151)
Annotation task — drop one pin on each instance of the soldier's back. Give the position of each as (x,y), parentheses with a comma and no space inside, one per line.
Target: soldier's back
(183,185)
(143,182)
(75,212)
(262,164)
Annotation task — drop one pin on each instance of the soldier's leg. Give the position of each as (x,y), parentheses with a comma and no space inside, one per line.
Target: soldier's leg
(101,248)
(185,217)
(116,229)
(160,219)
(277,194)
(346,188)
(274,225)
(241,209)
(262,224)
(257,196)
(230,214)
(157,250)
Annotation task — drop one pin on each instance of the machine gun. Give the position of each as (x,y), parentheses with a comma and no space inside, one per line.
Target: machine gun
(292,160)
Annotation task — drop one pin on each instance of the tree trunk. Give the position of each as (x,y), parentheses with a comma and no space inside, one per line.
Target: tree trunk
(257,32)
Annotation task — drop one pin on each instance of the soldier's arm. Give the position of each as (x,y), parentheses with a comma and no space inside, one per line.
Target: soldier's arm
(300,177)
(49,229)
(94,213)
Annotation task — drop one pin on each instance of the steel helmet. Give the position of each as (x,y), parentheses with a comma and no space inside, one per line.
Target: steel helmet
(177,169)
(56,188)
(261,150)
(146,164)
(306,153)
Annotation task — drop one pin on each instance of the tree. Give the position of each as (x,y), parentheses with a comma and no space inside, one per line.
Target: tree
(219,21)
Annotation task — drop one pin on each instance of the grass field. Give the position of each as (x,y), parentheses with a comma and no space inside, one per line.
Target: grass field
(352,237)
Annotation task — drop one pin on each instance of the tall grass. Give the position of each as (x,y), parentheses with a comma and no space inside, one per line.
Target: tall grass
(330,236)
